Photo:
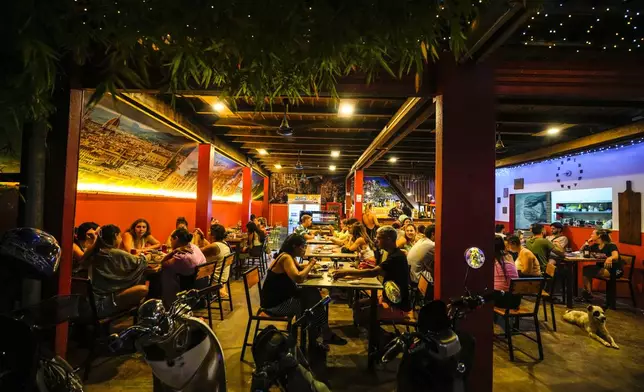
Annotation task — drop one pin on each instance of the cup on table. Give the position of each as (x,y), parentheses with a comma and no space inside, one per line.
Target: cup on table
(133,252)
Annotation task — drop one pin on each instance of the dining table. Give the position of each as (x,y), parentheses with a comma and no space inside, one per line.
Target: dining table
(322,279)
(332,251)
(572,260)
(320,241)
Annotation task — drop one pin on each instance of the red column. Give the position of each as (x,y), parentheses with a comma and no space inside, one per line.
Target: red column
(357,195)
(465,127)
(60,208)
(265,202)
(247,186)
(204,186)
(347,199)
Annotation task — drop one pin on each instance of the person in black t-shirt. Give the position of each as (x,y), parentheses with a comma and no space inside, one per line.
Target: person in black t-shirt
(600,243)
(394,268)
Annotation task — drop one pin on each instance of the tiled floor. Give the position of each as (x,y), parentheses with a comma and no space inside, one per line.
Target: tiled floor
(573,362)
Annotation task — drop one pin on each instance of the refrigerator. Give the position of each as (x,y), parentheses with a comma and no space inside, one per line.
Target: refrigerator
(298,203)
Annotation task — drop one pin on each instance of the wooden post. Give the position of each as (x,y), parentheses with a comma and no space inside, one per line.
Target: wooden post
(265,202)
(358,195)
(465,155)
(247,187)
(204,186)
(63,143)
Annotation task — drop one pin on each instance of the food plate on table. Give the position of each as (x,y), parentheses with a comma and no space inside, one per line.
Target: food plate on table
(315,275)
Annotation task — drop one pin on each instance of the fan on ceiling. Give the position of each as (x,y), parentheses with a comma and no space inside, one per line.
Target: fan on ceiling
(499,146)
(285,129)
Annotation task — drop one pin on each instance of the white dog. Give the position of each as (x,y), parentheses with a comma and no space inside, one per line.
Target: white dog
(593,320)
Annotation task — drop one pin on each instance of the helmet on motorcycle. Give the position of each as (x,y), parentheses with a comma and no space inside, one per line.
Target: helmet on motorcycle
(29,253)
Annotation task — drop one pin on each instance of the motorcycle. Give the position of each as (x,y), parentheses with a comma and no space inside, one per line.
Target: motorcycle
(182,350)
(280,362)
(26,363)
(439,357)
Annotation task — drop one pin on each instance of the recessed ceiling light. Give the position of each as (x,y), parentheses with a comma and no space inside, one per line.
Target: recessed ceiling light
(278,166)
(346,109)
(553,131)
(409,193)
(393,159)
(261,151)
(332,167)
(335,153)
(219,107)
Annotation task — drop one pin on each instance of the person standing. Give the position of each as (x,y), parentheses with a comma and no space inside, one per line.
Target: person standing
(396,211)
(370,220)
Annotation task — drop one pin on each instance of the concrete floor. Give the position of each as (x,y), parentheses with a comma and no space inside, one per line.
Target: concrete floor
(573,362)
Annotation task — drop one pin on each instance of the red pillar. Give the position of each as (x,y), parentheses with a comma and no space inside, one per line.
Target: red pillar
(347,199)
(247,186)
(357,195)
(265,202)
(465,128)
(62,176)
(204,186)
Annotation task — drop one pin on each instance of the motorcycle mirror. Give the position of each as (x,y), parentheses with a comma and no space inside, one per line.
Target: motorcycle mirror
(474,257)
(392,292)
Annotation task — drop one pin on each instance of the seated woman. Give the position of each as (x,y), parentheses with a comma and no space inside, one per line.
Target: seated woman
(601,243)
(139,238)
(280,295)
(362,243)
(84,237)
(216,251)
(409,238)
(255,240)
(181,261)
(199,238)
(262,224)
(181,222)
(117,276)
(504,271)
(527,263)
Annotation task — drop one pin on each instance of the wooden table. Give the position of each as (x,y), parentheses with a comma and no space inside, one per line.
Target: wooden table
(372,284)
(319,242)
(335,252)
(573,260)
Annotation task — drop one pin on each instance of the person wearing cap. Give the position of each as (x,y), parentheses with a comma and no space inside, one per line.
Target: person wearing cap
(558,239)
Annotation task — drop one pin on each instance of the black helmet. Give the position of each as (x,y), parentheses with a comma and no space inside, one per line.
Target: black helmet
(29,253)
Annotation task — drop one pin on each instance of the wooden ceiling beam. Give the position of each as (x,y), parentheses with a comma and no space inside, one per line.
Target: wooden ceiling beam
(336,123)
(614,135)
(270,135)
(308,142)
(569,102)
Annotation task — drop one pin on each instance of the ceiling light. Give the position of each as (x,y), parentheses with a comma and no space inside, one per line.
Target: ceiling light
(219,107)
(553,131)
(261,151)
(332,167)
(335,153)
(393,159)
(408,193)
(278,166)
(346,109)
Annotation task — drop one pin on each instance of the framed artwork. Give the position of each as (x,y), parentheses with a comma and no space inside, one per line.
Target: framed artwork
(505,210)
(531,208)
(506,193)
(498,200)
(518,183)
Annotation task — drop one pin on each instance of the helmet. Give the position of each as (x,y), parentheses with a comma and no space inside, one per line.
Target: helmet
(29,253)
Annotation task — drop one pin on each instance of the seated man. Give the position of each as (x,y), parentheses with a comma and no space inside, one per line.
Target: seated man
(557,238)
(541,247)
(394,269)
(526,262)
(306,221)
(421,256)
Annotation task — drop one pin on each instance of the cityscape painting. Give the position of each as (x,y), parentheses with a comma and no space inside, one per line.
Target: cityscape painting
(378,190)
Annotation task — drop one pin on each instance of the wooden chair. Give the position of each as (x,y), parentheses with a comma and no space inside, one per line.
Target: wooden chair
(547,294)
(227,262)
(206,271)
(257,256)
(629,267)
(525,287)
(251,278)
(100,325)
(425,290)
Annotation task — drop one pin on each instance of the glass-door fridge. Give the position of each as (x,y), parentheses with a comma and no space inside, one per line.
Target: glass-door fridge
(298,203)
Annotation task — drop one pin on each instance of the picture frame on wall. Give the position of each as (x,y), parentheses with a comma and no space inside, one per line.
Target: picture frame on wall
(505,210)
(506,193)
(519,183)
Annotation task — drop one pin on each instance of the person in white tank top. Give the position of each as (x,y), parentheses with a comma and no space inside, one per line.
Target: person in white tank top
(217,252)
(361,242)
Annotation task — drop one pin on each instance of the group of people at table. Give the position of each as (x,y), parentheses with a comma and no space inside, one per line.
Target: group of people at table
(119,263)
(518,257)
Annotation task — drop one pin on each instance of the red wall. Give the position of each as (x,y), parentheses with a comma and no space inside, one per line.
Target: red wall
(279,214)
(160,212)
(579,235)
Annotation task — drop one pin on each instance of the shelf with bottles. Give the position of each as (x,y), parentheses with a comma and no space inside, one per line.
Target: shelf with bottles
(599,207)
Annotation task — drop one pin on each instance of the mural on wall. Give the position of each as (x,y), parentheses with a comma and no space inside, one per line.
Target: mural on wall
(257,192)
(125,151)
(331,189)
(531,208)
(10,149)
(378,190)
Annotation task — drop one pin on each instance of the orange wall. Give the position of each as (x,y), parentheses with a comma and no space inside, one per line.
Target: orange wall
(279,214)
(160,212)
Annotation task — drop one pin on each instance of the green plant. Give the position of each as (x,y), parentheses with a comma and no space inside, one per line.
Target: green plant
(244,48)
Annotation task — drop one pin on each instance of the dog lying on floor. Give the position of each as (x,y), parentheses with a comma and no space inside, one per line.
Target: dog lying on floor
(593,320)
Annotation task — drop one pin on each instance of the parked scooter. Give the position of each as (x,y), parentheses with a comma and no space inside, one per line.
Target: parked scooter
(439,357)
(182,350)
(26,364)
(280,362)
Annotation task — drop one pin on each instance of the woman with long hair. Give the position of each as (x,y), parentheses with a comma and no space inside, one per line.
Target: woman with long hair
(139,237)
(504,271)
(280,295)
(363,244)
(216,252)
(255,240)
(181,261)
(117,276)
(84,237)
(600,243)
(370,220)
(407,241)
